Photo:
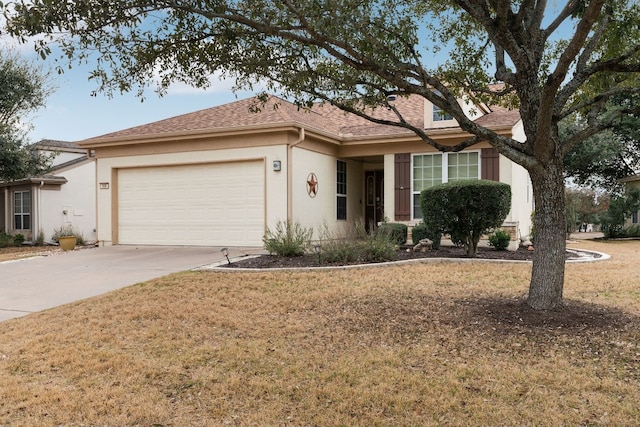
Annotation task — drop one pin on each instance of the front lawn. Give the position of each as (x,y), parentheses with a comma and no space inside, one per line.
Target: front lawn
(424,344)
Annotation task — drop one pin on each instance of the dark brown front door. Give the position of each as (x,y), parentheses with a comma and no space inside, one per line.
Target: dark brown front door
(374,198)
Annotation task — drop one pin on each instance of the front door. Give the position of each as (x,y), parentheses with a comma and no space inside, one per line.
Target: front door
(374,198)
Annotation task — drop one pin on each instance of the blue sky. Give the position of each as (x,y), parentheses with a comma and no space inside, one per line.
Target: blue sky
(72,114)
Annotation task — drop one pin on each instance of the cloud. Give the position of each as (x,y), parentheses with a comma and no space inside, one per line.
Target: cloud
(218,83)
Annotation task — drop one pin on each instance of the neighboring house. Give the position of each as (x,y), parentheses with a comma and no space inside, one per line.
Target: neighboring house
(223,175)
(66,196)
(632,182)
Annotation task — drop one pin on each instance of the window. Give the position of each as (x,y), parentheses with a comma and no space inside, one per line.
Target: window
(427,172)
(463,166)
(432,169)
(439,114)
(22,210)
(634,217)
(341,190)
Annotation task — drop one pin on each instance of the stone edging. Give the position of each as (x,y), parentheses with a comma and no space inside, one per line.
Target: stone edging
(219,265)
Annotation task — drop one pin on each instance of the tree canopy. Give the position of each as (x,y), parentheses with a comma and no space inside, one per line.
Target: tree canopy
(23,89)
(601,160)
(555,61)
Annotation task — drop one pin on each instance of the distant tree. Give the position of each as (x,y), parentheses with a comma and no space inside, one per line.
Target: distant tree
(584,206)
(601,160)
(557,60)
(466,209)
(620,208)
(23,89)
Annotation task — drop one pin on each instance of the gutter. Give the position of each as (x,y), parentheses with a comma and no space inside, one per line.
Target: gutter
(301,138)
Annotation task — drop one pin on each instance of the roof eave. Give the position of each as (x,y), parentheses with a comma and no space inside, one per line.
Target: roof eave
(206,133)
(49,180)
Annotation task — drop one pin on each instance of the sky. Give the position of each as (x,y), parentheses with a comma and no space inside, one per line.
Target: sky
(73,114)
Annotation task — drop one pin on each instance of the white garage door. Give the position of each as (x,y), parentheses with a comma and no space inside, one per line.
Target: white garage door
(218,204)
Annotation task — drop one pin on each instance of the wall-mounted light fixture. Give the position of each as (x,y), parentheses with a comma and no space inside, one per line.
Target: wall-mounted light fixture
(277,165)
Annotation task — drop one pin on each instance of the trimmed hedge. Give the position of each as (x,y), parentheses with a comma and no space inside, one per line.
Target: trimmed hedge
(421,231)
(395,232)
(466,209)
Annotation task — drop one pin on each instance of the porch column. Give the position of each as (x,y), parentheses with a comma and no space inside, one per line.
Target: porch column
(389,186)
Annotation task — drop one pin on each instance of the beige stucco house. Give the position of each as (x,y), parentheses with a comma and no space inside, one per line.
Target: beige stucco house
(65,197)
(223,175)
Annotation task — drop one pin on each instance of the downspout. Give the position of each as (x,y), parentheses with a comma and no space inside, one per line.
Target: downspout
(301,138)
(8,210)
(36,231)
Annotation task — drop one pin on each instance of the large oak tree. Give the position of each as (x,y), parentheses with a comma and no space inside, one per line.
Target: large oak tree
(557,60)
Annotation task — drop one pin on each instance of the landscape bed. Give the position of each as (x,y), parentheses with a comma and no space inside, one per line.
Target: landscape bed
(312,260)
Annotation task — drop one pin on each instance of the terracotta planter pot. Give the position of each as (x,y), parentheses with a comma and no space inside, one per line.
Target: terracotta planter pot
(67,243)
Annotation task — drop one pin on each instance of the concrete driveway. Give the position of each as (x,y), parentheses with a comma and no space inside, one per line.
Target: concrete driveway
(35,284)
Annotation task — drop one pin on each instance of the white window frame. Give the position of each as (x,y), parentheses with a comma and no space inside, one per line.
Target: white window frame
(445,173)
(339,183)
(430,121)
(22,212)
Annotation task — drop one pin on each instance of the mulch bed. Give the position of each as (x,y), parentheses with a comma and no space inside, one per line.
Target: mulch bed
(274,261)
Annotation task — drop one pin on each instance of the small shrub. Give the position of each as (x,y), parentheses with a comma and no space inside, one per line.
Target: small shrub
(532,234)
(354,244)
(288,239)
(632,231)
(394,232)
(18,239)
(5,240)
(338,251)
(40,239)
(500,240)
(8,240)
(378,248)
(421,231)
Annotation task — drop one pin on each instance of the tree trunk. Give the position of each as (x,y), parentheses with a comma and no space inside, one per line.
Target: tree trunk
(547,276)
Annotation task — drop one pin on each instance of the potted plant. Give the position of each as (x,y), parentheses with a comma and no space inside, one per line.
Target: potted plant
(67,243)
(66,237)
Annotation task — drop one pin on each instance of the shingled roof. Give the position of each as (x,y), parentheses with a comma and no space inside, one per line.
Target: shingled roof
(276,111)
(55,144)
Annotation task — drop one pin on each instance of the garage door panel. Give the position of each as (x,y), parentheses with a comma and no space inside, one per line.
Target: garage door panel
(205,205)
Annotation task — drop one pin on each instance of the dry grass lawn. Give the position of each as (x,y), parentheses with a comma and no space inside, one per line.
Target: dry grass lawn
(13,253)
(416,345)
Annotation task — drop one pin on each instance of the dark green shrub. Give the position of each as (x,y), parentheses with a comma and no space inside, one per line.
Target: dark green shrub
(18,239)
(466,209)
(288,239)
(632,231)
(393,231)
(5,240)
(500,240)
(420,231)
(8,240)
(620,208)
